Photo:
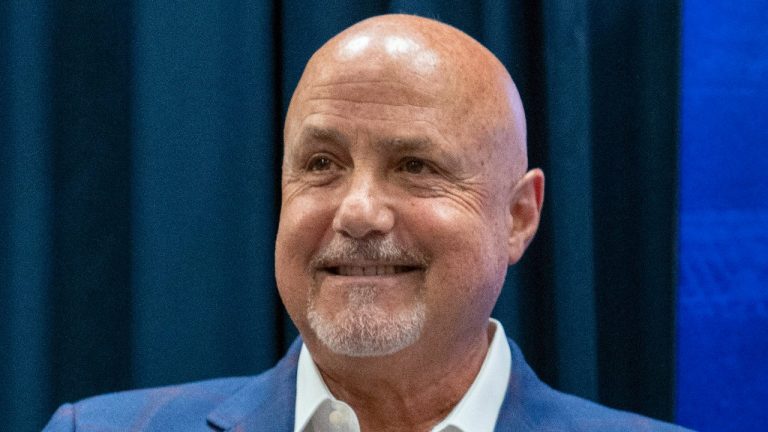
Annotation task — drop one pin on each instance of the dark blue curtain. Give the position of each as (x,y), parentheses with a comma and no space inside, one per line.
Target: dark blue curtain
(139,159)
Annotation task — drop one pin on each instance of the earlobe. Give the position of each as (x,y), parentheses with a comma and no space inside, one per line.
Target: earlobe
(525,213)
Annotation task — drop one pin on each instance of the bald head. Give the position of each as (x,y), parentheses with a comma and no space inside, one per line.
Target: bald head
(441,65)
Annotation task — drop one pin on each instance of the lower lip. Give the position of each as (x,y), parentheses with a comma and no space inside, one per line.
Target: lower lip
(383,281)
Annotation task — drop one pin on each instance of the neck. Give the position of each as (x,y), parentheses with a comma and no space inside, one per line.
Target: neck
(411,390)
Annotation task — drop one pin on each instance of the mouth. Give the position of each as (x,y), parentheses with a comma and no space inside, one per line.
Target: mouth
(369,270)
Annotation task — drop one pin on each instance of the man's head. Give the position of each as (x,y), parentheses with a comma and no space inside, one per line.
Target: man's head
(405,191)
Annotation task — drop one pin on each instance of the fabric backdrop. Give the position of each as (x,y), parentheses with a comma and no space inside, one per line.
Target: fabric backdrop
(139,158)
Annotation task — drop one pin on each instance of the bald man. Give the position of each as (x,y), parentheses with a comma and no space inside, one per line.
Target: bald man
(405,197)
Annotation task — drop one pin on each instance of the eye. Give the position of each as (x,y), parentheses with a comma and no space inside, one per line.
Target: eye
(414,166)
(320,163)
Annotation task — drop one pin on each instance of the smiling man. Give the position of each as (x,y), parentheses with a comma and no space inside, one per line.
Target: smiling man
(405,197)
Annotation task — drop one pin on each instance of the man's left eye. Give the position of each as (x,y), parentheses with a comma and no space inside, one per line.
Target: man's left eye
(414,166)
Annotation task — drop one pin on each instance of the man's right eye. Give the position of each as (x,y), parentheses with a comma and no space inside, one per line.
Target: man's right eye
(320,163)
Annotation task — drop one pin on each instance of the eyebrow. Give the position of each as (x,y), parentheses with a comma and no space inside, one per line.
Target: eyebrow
(390,144)
(324,134)
(420,145)
(405,144)
(401,144)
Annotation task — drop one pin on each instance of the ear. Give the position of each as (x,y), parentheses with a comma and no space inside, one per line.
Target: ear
(524,213)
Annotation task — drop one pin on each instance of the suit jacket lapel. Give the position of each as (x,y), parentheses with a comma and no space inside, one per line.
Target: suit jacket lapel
(266,403)
(523,386)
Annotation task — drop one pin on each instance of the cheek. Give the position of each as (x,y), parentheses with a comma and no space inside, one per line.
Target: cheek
(458,230)
(303,223)
(469,257)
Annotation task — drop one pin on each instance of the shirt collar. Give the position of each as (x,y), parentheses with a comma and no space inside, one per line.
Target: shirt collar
(476,411)
(311,390)
(479,408)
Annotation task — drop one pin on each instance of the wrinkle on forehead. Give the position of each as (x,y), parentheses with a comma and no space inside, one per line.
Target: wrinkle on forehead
(384,92)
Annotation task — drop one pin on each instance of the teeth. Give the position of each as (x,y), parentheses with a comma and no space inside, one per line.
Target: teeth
(368,270)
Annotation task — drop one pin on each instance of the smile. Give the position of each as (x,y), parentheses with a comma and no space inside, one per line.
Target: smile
(372,270)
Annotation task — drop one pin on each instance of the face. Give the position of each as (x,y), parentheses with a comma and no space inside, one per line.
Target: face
(394,217)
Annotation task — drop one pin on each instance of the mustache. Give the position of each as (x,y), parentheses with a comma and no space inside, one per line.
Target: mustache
(384,250)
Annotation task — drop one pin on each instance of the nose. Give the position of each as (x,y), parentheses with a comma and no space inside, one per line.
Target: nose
(363,210)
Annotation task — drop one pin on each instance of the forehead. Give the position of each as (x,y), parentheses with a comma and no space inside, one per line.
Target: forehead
(371,86)
(382,113)
(373,97)
(373,104)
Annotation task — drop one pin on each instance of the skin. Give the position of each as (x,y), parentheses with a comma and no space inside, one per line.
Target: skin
(405,127)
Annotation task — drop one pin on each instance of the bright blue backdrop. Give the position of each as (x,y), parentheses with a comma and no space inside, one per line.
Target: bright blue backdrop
(722,362)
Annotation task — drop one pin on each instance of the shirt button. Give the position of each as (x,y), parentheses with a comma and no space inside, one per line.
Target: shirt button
(336,418)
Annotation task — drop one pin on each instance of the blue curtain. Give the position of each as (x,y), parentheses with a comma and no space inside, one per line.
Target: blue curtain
(139,163)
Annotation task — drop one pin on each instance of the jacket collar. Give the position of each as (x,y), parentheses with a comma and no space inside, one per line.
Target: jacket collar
(266,402)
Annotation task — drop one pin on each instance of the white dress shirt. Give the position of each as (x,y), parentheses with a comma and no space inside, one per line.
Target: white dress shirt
(318,411)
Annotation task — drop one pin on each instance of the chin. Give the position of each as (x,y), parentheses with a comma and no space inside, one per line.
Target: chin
(367,330)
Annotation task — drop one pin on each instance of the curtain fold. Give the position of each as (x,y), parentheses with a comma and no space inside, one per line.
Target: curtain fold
(140,148)
(569,158)
(25,213)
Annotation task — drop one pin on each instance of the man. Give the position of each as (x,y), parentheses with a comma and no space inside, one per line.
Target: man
(405,197)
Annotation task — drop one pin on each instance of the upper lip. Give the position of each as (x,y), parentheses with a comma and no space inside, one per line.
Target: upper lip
(368,268)
(362,263)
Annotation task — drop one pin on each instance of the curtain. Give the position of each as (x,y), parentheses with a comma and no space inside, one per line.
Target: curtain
(140,147)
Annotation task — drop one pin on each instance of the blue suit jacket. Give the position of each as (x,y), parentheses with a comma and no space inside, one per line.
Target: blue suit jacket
(265,403)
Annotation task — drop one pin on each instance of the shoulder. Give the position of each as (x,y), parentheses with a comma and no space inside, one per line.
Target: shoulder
(188,407)
(556,411)
(530,404)
(177,407)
